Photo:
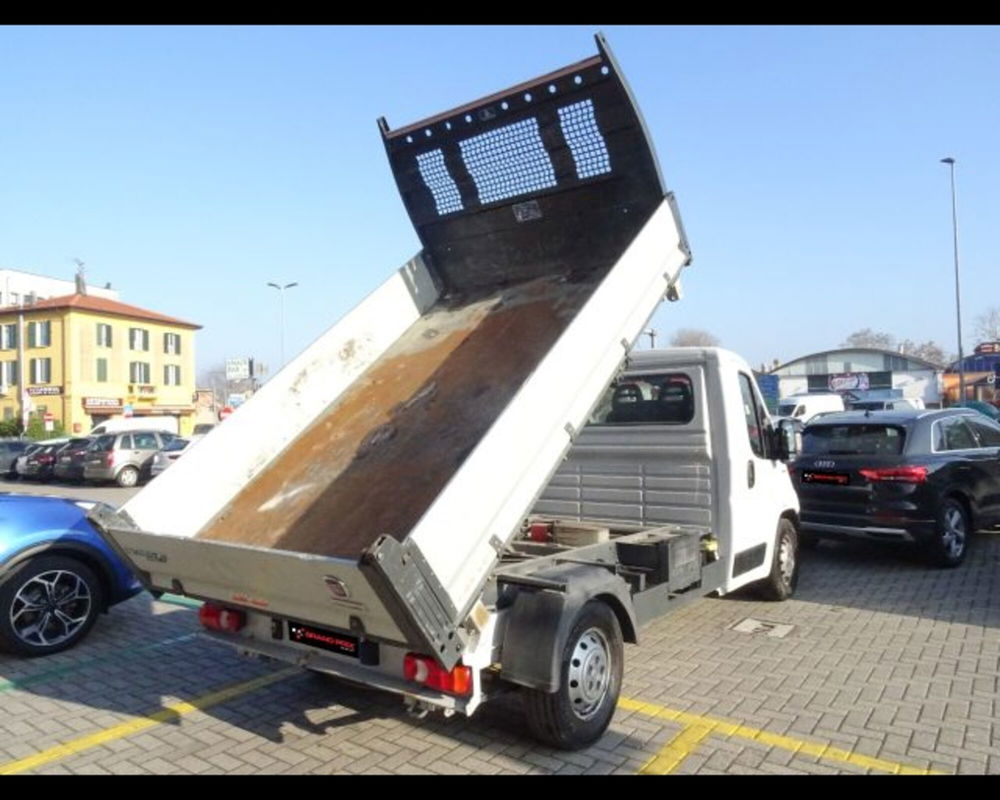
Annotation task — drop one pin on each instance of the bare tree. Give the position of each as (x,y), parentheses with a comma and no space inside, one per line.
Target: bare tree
(866,337)
(988,325)
(928,351)
(693,337)
(214,378)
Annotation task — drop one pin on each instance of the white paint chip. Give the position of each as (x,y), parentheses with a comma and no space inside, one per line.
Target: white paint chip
(776,630)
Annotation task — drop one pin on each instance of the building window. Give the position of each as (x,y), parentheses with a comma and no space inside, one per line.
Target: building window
(138,339)
(102,370)
(8,337)
(172,375)
(15,298)
(8,373)
(41,370)
(8,413)
(138,372)
(172,343)
(103,335)
(40,334)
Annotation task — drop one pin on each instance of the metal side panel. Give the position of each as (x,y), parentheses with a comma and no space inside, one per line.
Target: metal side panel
(182,500)
(498,483)
(639,474)
(286,584)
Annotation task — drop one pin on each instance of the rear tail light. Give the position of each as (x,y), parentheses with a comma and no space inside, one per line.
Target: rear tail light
(109,459)
(895,474)
(217,618)
(425,670)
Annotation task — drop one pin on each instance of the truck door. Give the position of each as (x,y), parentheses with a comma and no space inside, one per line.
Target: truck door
(759,488)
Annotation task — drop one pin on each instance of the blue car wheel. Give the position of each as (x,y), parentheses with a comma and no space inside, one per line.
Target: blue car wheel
(48,604)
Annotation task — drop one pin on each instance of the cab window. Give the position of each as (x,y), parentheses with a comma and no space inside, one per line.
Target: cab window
(665,399)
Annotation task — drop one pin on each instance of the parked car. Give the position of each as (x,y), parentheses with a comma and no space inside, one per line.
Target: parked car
(928,478)
(128,424)
(988,409)
(56,574)
(69,460)
(41,462)
(167,456)
(22,460)
(123,457)
(888,404)
(10,450)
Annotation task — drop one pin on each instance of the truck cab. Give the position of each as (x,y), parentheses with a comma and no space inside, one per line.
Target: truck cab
(682,436)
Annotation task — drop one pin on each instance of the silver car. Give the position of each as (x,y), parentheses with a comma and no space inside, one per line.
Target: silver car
(125,457)
(167,456)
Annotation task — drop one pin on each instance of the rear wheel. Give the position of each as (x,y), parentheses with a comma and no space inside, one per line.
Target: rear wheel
(781,583)
(128,477)
(578,713)
(47,604)
(948,546)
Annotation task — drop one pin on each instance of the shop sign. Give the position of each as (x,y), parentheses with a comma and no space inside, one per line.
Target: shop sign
(849,382)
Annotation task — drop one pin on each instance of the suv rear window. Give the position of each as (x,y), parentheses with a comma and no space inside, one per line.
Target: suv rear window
(850,440)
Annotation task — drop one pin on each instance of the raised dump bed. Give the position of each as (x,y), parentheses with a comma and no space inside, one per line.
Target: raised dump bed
(373,481)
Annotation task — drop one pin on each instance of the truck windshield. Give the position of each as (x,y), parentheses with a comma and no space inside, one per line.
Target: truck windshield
(663,399)
(853,440)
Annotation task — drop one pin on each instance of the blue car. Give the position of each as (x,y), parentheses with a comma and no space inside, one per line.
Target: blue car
(56,574)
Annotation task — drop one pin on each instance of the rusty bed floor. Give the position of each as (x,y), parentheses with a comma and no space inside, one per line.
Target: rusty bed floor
(380,454)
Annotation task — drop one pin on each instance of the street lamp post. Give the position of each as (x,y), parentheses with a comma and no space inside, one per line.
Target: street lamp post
(958,299)
(281,295)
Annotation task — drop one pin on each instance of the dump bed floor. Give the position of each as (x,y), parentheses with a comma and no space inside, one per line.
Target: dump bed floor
(376,459)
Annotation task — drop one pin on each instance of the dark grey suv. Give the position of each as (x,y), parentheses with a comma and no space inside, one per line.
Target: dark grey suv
(929,478)
(123,457)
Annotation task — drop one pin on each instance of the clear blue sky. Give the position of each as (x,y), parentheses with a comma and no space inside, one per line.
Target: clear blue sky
(190,166)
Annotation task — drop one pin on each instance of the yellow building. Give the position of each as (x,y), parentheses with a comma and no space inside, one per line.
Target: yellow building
(80,360)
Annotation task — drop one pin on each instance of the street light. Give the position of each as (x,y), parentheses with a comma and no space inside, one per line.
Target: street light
(958,300)
(281,294)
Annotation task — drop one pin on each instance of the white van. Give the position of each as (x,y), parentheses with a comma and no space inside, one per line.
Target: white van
(118,425)
(806,406)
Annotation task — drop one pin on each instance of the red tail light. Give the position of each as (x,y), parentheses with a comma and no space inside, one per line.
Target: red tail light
(217,618)
(895,474)
(425,670)
(109,459)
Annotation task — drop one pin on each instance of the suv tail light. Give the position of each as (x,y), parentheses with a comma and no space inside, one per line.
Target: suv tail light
(425,670)
(217,618)
(109,458)
(895,474)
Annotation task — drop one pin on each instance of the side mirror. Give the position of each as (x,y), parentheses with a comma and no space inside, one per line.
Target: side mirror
(787,439)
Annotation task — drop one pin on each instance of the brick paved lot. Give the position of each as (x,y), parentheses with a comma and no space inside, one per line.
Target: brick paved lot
(890,666)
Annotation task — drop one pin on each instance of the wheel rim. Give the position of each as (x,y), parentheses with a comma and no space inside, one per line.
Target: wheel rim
(786,560)
(953,536)
(589,673)
(127,477)
(50,608)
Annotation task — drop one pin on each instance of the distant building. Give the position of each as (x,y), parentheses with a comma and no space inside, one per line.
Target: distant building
(80,360)
(862,372)
(17,287)
(982,370)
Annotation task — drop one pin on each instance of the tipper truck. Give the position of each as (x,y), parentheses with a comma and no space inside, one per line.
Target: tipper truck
(368,512)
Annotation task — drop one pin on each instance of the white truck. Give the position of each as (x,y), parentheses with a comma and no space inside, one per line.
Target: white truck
(367,513)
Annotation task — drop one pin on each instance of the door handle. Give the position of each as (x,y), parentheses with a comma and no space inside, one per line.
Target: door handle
(751,474)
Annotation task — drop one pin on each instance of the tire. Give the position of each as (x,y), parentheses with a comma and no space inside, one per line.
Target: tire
(784,577)
(578,713)
(68,595)
(127,477)
(950,543)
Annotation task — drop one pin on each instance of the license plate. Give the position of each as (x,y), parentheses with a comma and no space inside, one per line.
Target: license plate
(832,478)
(65,459)
(323,639)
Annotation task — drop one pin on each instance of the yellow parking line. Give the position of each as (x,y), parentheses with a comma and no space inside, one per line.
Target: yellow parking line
(732,729)
(676,750)
(168,714)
